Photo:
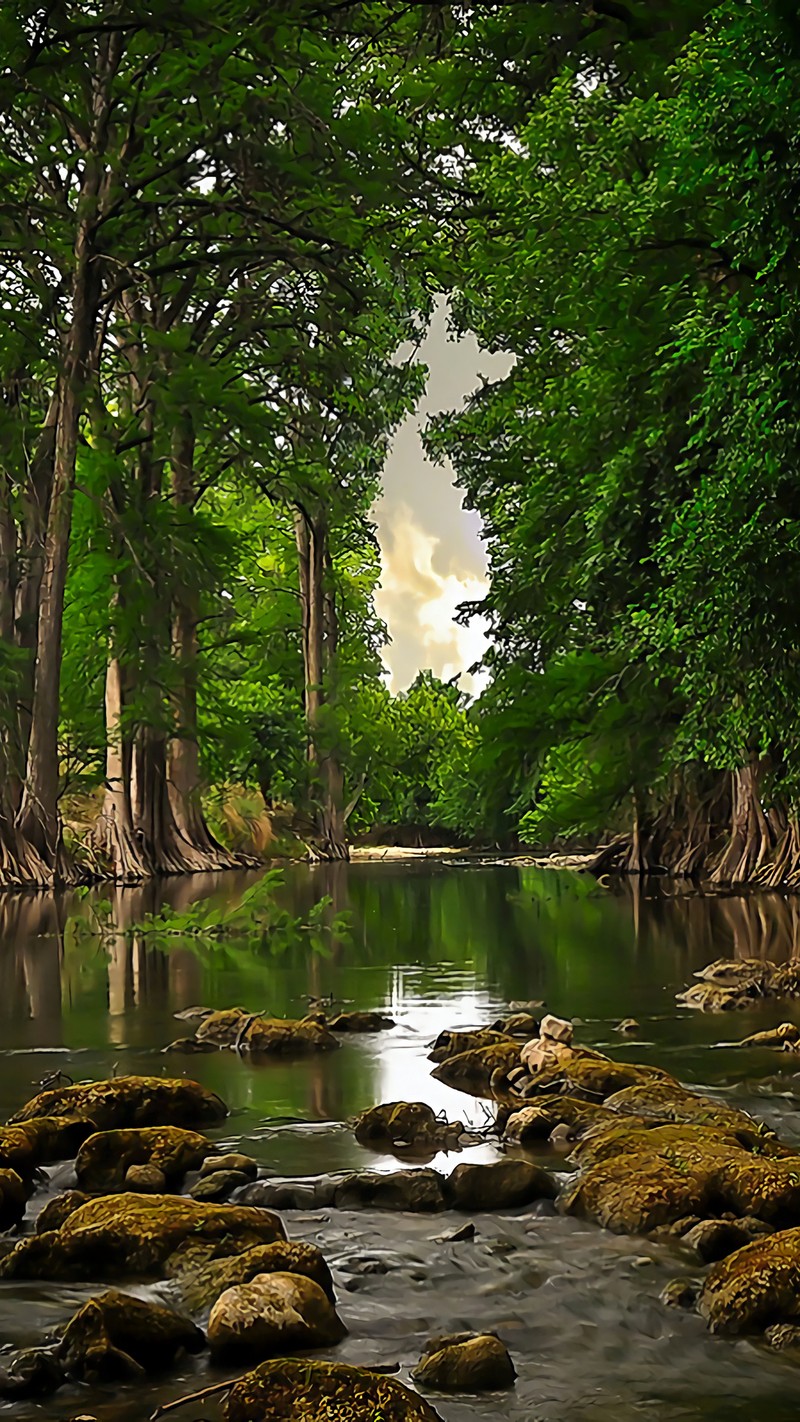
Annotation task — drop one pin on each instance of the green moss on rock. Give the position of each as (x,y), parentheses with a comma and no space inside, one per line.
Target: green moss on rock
(125,1101)
(298,1390)
(105,1158)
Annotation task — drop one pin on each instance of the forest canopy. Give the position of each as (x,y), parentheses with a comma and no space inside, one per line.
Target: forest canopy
(223,231)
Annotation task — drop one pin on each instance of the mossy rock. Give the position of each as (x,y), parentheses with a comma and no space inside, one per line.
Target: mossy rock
(59,1209)
(412,1191)
(455,1044)
(126,1101)
(466,1362)
(298,1390)
(539,1120)
(201,1279)
(519,1024)
(739,972)
(472,1071)
(105,1158)
(14,1195)
(361,1022)
(667,1100)
(650,1178)
(408,1123)
(272,1314)
(755,1288)
(502,1185)
(271,1036)
(132,1236)
(772,1036)
(578,1068)
(119,1336)
(31,1143)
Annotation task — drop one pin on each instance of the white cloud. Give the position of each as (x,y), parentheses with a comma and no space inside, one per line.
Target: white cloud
(419,604)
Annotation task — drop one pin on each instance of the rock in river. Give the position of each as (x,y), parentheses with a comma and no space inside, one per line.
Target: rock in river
(105,1158)
(406,1123)
(273,1314)
(754,1288)
(129,1236)
(201,1279)
(466,1362)
(125,1101)
(503,1185)
(118,1336)
(472,1071)
(251,1032)
(298,1390)
(361,1022)
(454,1044)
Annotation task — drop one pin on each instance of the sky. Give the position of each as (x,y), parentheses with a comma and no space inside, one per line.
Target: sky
(431,550)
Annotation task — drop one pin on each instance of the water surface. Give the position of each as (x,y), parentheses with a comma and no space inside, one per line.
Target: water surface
(435,945)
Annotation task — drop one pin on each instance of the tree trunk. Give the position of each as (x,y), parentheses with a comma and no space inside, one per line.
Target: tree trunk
(184,781)
(750,840)
(320,649)
(38,820)
(115,837)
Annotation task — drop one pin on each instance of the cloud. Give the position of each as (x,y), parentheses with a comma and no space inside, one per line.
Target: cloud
(419,603)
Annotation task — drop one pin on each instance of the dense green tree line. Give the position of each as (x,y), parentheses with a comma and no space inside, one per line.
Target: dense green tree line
(220,226)
(637,471)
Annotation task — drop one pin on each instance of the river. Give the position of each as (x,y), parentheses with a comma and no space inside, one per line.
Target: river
(435,944)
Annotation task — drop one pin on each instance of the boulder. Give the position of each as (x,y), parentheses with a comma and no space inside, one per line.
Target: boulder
(472,1071)
(504,1185)
(405,1123)
(711,1240)
(32,1372)
(119,1336)
(201,1280)
(772,1037)
(666,1100)
(414,1191)
(220,1185)
(310,1193)
(298,1389)
(537,1122)
(251,1032)
(557,1029)
(36,1142)
(627,1027)
(273,1314)
(145,1180)
(270,1036)
(129,1236)
(221,1028)
(710,997)
(125,1101)
(680,1293)
(104,1160)
(14,1193)
(755,974)
(755,1288)
(57,1210)
(647,1178)
(519,1024)
(361,1022)
(232,1161)
(466,1362)
(455,1044)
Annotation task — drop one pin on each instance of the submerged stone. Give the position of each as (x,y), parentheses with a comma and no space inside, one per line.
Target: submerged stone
(125,1101)
(129,1236)
(415,1191)
(273,1314)
(105,1158)
(119,1336)
(772,1037)
(32,1372)
(299,1390)
(466,1362)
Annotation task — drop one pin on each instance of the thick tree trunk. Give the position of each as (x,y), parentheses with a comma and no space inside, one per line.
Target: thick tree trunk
(751,839)
(115,838)
(320,648)
(184,753)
